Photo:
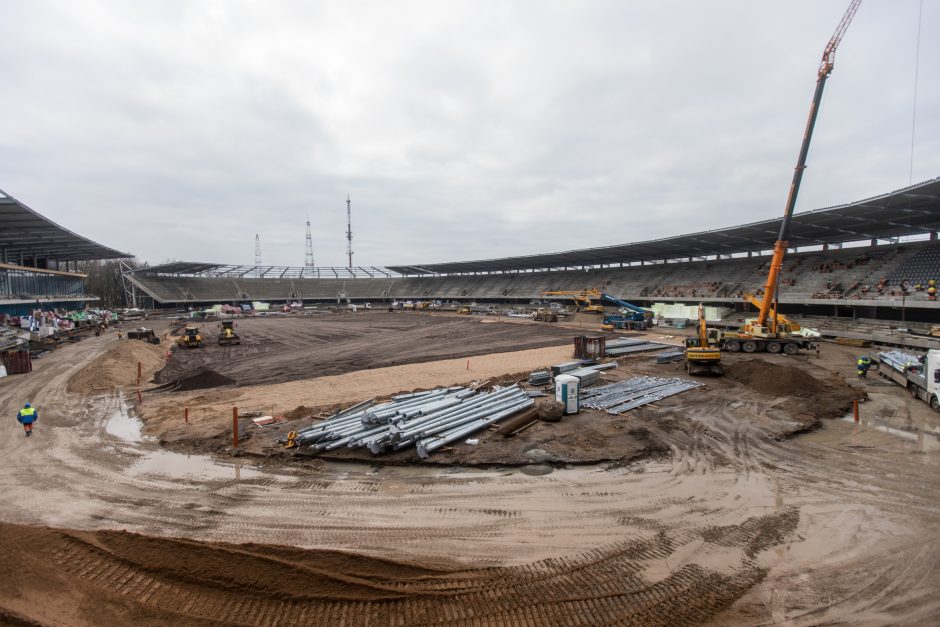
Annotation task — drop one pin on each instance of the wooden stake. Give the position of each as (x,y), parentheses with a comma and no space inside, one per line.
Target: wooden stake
(235,427)
(186,415)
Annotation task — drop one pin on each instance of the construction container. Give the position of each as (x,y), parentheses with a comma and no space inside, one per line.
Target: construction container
(567,392)
(16,362)
(589,346)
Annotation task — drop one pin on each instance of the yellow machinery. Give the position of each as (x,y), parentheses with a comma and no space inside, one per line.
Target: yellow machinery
(701,356)
(582,299)
(191,338)
(770,331)
(227,333)
(545,315)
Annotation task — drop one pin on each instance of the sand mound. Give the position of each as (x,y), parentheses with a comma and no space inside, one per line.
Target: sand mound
(118,367)
(201,379)
(775,379)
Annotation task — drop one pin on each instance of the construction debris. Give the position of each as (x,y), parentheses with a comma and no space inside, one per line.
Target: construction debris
(617,398)
(426,420)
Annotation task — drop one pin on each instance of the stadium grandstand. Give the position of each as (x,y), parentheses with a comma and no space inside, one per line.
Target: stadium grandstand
(872,258)
(39,261)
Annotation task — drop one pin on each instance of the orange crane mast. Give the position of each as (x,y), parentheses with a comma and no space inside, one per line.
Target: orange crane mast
(771,287)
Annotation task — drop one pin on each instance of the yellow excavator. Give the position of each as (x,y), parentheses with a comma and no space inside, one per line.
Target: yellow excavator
(582,299)
(701,355)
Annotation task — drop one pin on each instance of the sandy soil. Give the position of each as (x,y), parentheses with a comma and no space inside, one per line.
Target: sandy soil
(738,524)
(289,348)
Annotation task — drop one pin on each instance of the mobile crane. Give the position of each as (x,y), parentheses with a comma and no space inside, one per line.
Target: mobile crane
(766,332)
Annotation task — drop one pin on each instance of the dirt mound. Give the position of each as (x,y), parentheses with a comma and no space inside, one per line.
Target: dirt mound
(775,379)
(201,379)
(118,367)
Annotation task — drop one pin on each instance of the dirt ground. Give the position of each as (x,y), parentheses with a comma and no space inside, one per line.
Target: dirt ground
(758,503)
(290,348)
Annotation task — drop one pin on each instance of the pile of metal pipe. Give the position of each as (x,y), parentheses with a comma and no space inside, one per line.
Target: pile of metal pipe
(899,360)
(623,396)
(427,420)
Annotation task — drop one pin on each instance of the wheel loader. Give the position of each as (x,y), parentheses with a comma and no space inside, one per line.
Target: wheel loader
(227,333)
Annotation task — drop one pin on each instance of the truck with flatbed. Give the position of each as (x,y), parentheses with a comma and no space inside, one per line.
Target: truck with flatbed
(920,375)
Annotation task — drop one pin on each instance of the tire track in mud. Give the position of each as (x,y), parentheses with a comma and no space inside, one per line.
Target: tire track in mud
(186,580)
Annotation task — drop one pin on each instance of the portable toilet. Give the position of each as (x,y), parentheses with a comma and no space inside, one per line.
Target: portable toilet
(567,392)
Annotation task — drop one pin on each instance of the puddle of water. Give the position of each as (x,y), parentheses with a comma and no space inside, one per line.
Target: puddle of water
(180,466)
(927,439)
(123,424)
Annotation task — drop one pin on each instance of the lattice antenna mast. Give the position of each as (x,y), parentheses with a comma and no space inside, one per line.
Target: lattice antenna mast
(349,251)
(308,257)
(257,249)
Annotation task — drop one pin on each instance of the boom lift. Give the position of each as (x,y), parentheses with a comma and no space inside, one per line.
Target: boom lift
(766,331)
(629,315)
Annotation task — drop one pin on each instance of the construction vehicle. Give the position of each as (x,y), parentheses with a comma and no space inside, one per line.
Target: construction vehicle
(191,338)
(766,332)
(920,375)
(702,354)
(227,333)
(582,299)
(144,335)
(545,315)
(628,316)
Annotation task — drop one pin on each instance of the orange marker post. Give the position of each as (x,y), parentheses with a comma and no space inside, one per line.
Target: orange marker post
(855,410)
(235,427)
(186,415)
(138,373)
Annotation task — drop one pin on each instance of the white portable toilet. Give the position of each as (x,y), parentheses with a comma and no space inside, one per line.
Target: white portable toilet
(567,392)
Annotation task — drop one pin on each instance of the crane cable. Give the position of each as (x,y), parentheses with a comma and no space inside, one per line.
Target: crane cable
(920,17)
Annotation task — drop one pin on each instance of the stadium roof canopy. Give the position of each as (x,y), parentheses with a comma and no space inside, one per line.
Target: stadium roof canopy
(25,232)
(909,211)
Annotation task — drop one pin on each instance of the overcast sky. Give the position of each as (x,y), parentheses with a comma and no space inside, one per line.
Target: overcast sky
(461,130)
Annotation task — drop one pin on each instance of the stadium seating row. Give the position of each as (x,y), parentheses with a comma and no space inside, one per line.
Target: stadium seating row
(847,274)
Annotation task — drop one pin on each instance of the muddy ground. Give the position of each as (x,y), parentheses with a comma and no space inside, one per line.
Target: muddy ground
(741,520)
(289,348)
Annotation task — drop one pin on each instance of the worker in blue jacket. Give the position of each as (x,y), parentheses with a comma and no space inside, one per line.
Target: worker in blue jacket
(27,416)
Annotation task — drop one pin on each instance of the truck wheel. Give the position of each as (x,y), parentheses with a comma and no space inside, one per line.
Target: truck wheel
(774,347)
(748,346)
(791,349)
(733,346)
(913,391)
(934,404)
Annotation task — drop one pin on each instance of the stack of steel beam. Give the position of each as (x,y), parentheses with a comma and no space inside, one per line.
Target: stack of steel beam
(623,396)
(670,355)
(427,420)
(540,377)
(616,348)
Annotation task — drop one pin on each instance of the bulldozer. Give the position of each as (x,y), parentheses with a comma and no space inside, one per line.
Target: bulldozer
(191,338)
(227,333)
